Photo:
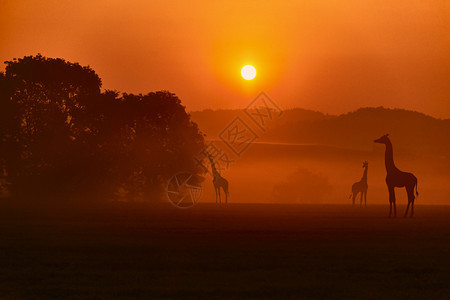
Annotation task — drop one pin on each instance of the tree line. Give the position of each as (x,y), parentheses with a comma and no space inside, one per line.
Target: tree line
(63,138)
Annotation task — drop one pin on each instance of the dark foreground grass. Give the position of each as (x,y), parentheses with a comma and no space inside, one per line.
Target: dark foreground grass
(239,251)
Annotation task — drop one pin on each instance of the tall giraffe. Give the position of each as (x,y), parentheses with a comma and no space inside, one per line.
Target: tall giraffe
(396,178)
(218,181)
(361,186)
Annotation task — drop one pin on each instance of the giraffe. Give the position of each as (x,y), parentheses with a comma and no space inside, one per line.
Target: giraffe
(218,181)
(396,178)
(361,186)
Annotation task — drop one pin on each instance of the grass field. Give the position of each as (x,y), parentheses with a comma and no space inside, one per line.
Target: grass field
(237,251)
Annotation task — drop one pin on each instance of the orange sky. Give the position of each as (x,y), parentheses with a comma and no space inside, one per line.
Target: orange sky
(332,56)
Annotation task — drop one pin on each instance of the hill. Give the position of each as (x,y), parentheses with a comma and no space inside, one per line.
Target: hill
(412,132)
(211,122)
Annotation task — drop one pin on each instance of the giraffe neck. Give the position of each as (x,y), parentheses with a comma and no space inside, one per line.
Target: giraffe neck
(364,177)
(216,173)
(389,157)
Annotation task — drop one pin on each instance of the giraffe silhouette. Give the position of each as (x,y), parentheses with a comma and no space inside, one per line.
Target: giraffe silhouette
(218,181)
(396,178)
(361,186)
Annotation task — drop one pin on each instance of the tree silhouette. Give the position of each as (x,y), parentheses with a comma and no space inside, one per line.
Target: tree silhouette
(62,138)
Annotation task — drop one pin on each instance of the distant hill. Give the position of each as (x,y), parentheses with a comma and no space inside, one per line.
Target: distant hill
(411,132)
(211,122)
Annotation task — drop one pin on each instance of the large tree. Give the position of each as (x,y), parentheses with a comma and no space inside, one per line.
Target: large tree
(61,137)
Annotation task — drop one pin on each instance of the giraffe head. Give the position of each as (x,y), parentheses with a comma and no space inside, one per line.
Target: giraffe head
(382,140)
(365,164)
(209,157)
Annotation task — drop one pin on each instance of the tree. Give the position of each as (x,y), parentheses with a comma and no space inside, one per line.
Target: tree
(61,137)
(149,138)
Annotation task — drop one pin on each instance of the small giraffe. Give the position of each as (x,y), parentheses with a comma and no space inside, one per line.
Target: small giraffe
(396,178)
(219,182)
(361,186)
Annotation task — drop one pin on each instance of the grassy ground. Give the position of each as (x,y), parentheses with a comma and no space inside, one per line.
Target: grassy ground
(239,251)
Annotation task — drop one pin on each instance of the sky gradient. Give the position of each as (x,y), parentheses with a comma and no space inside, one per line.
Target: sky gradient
(332,56)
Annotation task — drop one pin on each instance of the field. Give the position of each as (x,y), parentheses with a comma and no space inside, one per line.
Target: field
(326,175)
(235,251)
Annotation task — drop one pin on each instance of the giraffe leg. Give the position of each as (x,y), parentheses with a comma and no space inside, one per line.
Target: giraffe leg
(407,208)
(218,190)
(409,203)
(392,201)
(225,191)
(411,197)
(365,198)
(362,195)
(354,196)
(395,205)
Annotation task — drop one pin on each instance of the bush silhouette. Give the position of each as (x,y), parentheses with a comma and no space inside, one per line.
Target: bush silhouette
(302,186)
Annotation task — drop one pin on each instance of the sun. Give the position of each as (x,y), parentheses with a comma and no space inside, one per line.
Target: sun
(248,72)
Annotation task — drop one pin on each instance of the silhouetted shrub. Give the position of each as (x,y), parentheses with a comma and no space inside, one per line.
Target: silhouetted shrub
(302,186)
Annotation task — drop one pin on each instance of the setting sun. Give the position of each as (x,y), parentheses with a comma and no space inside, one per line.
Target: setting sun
(248,72)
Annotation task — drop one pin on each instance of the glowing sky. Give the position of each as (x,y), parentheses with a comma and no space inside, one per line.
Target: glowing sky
(332,56)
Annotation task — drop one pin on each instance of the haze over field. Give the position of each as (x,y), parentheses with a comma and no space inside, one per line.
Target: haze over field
(309,157)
